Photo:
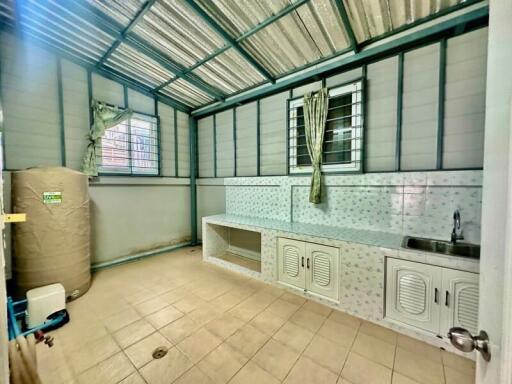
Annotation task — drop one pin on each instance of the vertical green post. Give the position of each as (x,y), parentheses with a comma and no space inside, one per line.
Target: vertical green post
(440,109)
(234,141)
(2,128)
(399,103)
(364,118)
(176,158)
(158,137)
(258,139)
(215,145)
(192,127)
(60,98)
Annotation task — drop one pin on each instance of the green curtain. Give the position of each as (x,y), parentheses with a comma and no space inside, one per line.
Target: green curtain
(104,117)
(315,116)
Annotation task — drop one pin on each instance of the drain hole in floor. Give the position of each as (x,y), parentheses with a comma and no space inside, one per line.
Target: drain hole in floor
(160,352)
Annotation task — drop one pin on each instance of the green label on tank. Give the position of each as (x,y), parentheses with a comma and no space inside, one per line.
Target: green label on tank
(52,197)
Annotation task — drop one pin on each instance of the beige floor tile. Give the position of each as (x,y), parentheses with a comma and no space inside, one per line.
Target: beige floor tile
(167,369)
(150,306)
(194,376)
(164,316)
(247,310)
(401,379)
(419,347)
(379,332)
(283,308)
(345,319)
(199,344)
(248,340)
(342,380)
(294,336)
(224,326)
(307,371)
(267,322)
(222,363)
(121,319)
(189,303)
(294,299)
(276,358)
(359,370)
(417,367)
(76,334)
(140,353)
(251,373)
(375,349)
(140,296)
(134,378)
(179,329)
(175,295)
(109,371)
(313,306)
(326,353)
(204,314)
(226,301)
(307,319)
(338,333)
(454,376)
(132,333)
(93,353)
(52,364)
(458,363)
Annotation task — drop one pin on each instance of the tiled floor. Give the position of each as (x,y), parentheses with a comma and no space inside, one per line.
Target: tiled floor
(221,327)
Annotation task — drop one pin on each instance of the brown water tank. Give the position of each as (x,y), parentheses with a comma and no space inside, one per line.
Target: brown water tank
(53,245)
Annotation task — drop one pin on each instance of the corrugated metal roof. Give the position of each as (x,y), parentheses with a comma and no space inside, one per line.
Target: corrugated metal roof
(176,49)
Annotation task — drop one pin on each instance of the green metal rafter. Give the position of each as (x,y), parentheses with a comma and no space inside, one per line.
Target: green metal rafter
(348,26)
(283,12)
(114,29)
(230,40)
(140,14)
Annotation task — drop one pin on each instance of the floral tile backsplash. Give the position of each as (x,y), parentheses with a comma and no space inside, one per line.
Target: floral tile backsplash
(415,203)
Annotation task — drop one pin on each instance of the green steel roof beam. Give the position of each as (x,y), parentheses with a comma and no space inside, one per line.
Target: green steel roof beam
(283,12)
(114,29)
(346,23)
(140,14)
(230,41)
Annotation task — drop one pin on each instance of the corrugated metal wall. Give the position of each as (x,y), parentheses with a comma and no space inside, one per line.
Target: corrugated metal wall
(464,104)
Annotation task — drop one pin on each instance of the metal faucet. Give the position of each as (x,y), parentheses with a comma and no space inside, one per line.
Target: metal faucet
(456,232)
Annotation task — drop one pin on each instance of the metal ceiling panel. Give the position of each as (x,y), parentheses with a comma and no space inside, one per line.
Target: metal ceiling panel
(238,16)
(229,72)
(6,10)
(186,93)
(311,32)
(138,66)
(51,21)
(123,11)
(371,19)
(177,31)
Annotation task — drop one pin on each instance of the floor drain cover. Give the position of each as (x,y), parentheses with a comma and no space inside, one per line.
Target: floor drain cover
(159,352)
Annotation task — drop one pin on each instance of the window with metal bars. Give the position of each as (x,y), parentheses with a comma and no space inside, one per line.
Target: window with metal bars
(343,132)
(131,147)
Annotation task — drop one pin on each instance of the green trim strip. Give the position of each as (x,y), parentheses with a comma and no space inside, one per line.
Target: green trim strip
(158,136)
(348,26)
(176,155)
(230,40)
(193,174)
(234,142)
(258,139)
(60,97)
(478,17)
(89,96)
(441,102)
(125,96)
(364,112)
(2,126)
(399,108)
(214,145)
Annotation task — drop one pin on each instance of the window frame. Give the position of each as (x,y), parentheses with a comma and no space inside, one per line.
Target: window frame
(129,170)
(355,165)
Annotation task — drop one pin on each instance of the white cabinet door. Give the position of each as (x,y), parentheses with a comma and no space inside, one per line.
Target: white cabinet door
(322,270)
(412,293)
(460,301)
(291,255)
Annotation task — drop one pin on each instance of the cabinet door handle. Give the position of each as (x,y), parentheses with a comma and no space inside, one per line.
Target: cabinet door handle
(436,295)
(307,263)
(302,262)
(447,299)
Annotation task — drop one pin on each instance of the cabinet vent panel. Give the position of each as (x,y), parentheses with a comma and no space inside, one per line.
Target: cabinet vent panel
(321,270)
(412,294)
(291,261)
(467,308)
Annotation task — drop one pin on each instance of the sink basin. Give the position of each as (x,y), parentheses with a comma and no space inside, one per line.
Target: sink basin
(440,246)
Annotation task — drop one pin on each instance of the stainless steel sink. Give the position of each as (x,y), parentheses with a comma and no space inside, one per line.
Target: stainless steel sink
(440,246)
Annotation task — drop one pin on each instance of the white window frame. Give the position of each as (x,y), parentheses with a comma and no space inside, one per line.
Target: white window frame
(130,169)
(354,165)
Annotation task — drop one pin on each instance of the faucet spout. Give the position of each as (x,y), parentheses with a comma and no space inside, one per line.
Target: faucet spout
(456,231)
